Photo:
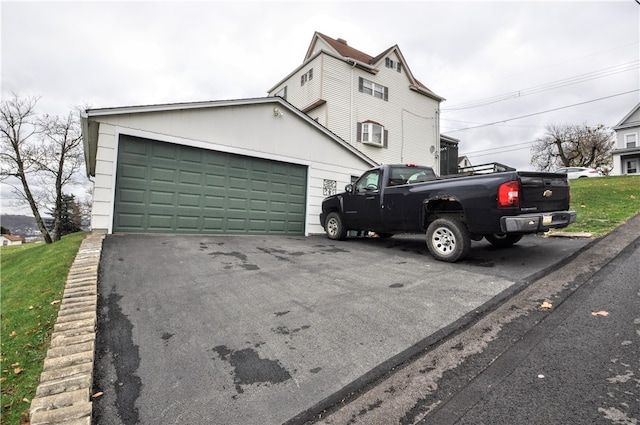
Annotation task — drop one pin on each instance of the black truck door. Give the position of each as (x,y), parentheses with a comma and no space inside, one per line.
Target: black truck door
(362,205)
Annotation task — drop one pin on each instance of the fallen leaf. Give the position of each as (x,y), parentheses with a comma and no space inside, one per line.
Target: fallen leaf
(13,333)
(633,197)
(26,400)
(600,313)
(98,394)
(54,302)
(16,364)
(546,304)
(18,370)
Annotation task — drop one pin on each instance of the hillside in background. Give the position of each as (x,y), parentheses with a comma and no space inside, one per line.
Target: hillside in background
(21,225)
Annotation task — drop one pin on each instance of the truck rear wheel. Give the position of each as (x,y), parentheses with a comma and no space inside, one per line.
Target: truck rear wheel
(334,227)
(448,240)
(502,241)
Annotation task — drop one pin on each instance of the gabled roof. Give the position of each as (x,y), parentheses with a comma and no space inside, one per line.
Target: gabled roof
(341,48)
(90,124)
(623,123)
(13,238)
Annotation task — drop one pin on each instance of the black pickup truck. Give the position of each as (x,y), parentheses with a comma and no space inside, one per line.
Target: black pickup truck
(453,211)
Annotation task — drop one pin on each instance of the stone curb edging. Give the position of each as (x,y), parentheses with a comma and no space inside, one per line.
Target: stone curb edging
(63,394)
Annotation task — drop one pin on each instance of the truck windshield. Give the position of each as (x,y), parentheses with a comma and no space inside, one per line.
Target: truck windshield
(409,175)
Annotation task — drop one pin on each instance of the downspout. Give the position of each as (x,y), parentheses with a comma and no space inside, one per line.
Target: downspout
(351,106)
(437,114)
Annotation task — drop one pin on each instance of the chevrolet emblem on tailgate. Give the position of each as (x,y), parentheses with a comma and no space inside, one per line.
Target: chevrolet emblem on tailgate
(547,193)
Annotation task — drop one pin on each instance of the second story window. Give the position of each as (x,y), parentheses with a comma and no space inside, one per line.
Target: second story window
(307,76)
(375,90)
(372,133)
(631,140)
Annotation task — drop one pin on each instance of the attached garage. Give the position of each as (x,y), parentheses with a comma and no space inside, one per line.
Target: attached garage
(168,188)
(252,166)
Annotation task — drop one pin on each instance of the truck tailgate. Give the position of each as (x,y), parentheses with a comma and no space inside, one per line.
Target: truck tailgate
(543,192)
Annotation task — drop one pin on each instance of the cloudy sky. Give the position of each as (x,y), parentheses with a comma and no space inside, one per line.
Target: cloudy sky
(506,68)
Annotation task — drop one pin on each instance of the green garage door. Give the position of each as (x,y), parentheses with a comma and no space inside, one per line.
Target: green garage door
(167,188)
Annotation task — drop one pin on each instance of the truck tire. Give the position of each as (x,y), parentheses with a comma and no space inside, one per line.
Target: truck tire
(502,241)
(334,227)
(448,240)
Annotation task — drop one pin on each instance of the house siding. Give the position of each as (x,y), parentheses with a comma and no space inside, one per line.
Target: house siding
(287,138)
(411,118)
(630,125)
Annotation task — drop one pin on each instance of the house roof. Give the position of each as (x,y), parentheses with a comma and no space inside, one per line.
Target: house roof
(91,126)
(342,48)
(12,237)
(623,123)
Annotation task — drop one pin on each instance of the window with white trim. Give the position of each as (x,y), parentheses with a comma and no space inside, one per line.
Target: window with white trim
(307,76)
(631,140)
(375,90)
(372,133)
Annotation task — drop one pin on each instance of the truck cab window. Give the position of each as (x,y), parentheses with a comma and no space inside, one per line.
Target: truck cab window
(368,182)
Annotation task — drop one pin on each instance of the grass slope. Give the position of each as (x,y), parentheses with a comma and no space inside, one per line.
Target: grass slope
(32,284)
(604,203)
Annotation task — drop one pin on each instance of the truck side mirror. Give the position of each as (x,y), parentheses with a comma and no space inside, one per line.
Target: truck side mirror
(348,188)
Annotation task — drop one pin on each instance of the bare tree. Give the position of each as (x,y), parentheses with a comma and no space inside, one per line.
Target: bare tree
(573,146)
(38,157)
(17,129)
(59,158)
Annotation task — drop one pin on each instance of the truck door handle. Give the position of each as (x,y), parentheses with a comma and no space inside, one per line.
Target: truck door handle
(370,197)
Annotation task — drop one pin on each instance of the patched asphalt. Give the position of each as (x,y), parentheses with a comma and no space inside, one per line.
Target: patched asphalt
(269,329)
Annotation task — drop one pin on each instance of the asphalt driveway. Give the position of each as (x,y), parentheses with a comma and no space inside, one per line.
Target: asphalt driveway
(261,329)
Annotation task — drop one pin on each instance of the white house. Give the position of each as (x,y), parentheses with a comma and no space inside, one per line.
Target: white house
(255,166)
(374,103)
(9,240)
(626,154)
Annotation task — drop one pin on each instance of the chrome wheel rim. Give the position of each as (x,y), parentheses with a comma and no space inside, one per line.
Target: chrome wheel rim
(444,241)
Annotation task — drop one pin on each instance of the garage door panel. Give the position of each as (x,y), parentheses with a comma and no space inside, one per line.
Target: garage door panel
(162,187)
(163,174)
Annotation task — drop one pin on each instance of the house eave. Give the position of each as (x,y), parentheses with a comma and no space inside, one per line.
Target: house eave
(427,93)
(90,124)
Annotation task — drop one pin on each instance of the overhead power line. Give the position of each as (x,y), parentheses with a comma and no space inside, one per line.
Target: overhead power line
(542,112)
(629,66)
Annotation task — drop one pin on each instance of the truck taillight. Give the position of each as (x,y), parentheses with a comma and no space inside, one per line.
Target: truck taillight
(509,195)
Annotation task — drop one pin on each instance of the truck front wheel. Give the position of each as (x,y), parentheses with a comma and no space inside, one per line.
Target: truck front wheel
(448,240)
(334,227)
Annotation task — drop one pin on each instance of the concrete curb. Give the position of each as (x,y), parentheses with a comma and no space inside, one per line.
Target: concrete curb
(63,395)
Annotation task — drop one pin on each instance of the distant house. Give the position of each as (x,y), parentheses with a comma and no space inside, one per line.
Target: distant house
(374,103)
(8,240)
(463,162)
(626,153)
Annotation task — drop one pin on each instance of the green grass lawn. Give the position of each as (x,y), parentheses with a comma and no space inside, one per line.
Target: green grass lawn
(32,283)
(603,203)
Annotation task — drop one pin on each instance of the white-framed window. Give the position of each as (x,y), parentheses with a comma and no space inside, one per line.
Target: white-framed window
(632,166)
(307,76)
(375,90)
(390,63)
(282,92)
(631,140)
(372,133)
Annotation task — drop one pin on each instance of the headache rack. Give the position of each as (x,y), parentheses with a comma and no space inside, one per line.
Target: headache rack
(492,167)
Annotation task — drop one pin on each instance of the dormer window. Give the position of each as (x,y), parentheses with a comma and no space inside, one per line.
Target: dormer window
(375,90)
(390,63)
